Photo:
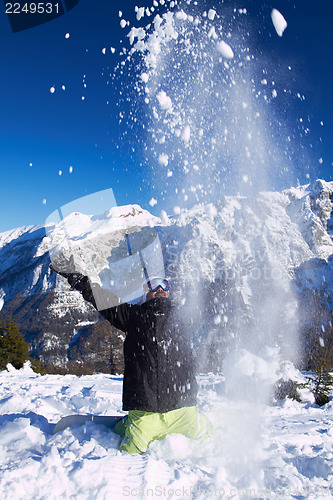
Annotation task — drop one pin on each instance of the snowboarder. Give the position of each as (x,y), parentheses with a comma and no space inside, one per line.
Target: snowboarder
(159,388)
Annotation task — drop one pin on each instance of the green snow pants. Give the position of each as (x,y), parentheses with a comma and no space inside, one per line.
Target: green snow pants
(140,428)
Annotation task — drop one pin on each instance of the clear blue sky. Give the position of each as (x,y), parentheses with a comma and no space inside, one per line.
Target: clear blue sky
(42,133)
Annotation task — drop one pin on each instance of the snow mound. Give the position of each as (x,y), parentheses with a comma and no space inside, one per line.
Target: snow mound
(289,454)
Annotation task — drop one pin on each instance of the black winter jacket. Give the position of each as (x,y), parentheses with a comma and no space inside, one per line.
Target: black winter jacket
(159,366)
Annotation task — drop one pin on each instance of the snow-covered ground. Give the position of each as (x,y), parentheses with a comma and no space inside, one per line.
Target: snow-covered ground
(282,451)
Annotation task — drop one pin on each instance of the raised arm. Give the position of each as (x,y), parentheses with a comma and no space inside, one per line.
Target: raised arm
(104,301)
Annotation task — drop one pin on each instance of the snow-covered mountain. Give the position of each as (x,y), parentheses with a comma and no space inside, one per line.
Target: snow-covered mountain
(243,268)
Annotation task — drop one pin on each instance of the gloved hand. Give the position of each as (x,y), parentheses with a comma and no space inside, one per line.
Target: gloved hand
(65,275)
(91,292)
(76,280)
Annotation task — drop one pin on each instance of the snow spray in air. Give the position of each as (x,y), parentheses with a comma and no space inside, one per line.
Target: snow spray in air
(212,137)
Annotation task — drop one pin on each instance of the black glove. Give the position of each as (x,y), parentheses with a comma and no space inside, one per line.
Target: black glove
(65,275)
(76,280)
(80,283)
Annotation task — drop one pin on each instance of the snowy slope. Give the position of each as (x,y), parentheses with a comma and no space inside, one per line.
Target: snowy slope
(281,451)
(253,249)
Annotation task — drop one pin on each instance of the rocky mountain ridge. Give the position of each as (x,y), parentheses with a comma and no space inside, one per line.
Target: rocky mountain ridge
(241,265)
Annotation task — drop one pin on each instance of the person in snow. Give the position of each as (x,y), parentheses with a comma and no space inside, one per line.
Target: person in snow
(159,388)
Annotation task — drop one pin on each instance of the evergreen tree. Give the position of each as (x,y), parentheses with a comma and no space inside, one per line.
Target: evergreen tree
(322,377)
(13,347)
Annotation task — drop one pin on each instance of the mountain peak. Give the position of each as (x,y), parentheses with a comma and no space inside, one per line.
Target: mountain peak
(126,211)
(236,251)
